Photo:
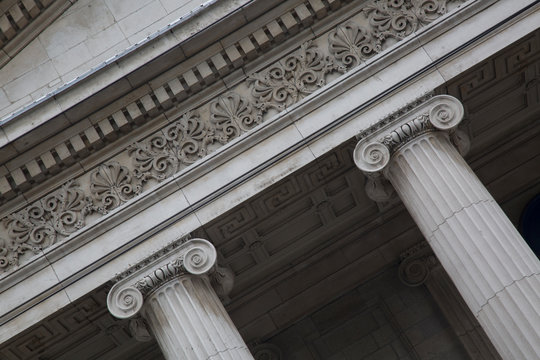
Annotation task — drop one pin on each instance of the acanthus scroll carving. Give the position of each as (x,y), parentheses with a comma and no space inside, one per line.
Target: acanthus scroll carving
(400,18)
(291,79)
(38,226)
(181,143)
(153,158)
(351,43)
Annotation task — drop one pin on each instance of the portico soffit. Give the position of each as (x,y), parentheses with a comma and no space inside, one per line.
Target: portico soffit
(196,196)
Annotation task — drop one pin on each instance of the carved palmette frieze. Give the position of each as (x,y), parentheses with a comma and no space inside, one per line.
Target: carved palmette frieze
(153,158)
(291,79)
(181,143)
(38,226)
(189,137)
(228,116)
(351,43)
(400,18)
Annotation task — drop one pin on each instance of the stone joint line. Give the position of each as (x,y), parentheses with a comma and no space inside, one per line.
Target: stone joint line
(503,289)
(460,210)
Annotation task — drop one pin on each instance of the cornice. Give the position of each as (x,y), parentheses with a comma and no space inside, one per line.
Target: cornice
(164,93)
(25,231)
(23,21)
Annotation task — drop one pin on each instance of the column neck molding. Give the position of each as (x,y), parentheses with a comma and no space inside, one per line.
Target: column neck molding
(195,257)
(379,142)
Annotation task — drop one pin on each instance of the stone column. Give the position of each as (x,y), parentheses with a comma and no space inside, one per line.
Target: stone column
(419,266)
(176,293)
(489,262)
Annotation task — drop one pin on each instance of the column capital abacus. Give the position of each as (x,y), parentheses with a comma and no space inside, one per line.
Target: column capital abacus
(377,144)
(191,257)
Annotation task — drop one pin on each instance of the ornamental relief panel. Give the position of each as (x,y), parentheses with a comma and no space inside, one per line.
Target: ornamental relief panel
(291,79)
(199,131)
(382,23)
(38,226)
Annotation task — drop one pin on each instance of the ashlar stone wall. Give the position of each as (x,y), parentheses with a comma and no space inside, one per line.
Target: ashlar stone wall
(87,34)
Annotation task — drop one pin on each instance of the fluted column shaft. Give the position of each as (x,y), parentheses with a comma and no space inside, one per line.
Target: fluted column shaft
(173,292)
(189,322)
(491,265)
(489,262)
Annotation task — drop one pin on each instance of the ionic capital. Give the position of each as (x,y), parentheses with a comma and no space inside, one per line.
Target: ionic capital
(416,264)
(192,257)
(378,143)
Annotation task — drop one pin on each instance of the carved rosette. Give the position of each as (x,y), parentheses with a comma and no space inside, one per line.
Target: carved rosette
(373,152)
(193,257)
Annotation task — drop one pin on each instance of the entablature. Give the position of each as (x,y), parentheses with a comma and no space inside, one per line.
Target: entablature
(180,195)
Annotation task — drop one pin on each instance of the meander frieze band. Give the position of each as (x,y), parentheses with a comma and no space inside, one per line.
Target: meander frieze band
(373,152)
(195,257)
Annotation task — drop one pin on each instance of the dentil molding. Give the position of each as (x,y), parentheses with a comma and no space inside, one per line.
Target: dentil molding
(200,131)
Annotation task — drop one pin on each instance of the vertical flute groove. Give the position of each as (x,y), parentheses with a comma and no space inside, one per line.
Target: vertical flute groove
(189,322)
